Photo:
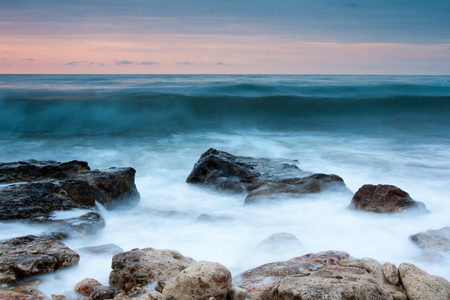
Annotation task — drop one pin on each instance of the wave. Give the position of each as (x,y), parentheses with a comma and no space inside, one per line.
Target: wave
(142,112)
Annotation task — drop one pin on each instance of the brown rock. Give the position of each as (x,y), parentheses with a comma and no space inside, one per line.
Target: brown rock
(384,198)
(100,292)
(200,281)
(85,286)
(420,285)
(390,272)
(24,291)
(142,267)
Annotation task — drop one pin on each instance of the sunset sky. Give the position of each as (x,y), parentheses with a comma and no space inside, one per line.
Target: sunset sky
(226,36)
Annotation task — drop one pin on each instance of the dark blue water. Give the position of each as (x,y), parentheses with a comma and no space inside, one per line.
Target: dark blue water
(366,129)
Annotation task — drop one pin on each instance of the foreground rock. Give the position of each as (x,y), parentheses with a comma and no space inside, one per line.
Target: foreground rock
(420,285)
(264,179)
(384,199)
(31,255)
(141,267)
(324,275)
(27,290)
(200,281)
(38,188)
(438,240)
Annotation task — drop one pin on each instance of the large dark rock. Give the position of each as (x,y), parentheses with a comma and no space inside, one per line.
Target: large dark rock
(264,179)
(31,255)
(384,199)
(433,239)
(36,189)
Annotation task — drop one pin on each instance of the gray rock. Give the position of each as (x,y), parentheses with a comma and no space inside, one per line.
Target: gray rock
(203,280)
(420,285)
(280,242)
(438,240)
(107,249)
(100,292)
(390,272)
(385,199)
(141,267)
(31,255)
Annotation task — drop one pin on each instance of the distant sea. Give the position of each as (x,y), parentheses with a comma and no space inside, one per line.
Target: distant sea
(366,129)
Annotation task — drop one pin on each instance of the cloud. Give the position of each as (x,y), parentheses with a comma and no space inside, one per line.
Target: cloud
(148,63)
(184,63)
(123,62)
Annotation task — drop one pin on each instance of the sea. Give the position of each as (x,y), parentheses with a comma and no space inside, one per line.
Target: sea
(367,129)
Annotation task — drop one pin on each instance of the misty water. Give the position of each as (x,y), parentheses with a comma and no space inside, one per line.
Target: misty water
(408,148)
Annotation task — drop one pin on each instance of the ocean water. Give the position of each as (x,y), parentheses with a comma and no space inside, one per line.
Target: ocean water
(366,129)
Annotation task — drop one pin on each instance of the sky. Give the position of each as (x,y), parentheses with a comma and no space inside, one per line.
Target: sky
(225,37)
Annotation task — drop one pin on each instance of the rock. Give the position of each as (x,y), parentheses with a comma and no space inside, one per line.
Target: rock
(31,255)
(351,263)
(384,198)
(86,224)
(33,170)
(58,297)
(154,295)
(438,240)
(235,173)
(420,285)
(160,285)
(100,292)
(85,286)
(236,293)
(141,267)
(280,242)
(205,218)
(24,291)
(331,282)
(107,249)
(374,268)
(390,272)
(257,280)
(292,187)
(200,281)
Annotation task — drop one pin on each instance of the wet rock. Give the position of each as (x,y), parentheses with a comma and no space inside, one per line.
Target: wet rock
(438,240)
(142,267)
(107,249)
(34,170)
(86,224)
(85,286)
(100,292)
(203,280)
(31,255)
(280,242)
(390,272)
(384,199)
(420,285)
(24,291)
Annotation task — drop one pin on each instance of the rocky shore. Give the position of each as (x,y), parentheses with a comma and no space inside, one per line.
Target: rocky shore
(32,191)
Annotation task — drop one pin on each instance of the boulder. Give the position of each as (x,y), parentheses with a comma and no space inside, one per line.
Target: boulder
(384,199)
(420,285)
(280,242)
(141,267)
(390,272)
(85,286)
(438,240)
(31,255)
(292,187)
(203,280)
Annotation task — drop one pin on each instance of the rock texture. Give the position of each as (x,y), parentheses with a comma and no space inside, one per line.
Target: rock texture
(384,199)
(38,188)
(23,291)
(141,267)
(203,280)
(438,240)
(85,286)
(263,179)
(420,285)
(31,255)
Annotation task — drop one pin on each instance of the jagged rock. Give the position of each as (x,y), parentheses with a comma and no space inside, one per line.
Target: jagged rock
(86,224)
(384,198)
(34,170)
(100,292)
(31,255)
(141,267)
(203,280)
(107,249)
(280,242)
(390,272)
(420,285)
(438,240)
(85,286)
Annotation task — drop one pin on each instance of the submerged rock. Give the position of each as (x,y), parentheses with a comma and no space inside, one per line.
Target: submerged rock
(438,240)
(384,199)
(263,179)
(141,267)
(280,242)
(203,280)
(107,249)
(31,255)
